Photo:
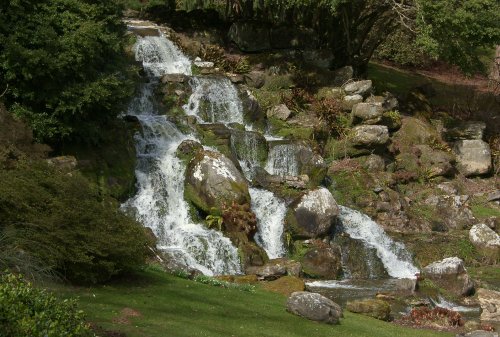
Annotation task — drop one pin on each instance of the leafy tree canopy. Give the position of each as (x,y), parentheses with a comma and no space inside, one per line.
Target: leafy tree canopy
(62,64)
(451,30)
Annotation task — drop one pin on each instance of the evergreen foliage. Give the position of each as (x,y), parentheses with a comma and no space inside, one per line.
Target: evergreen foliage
(62,221)
(26,311)
(63,65)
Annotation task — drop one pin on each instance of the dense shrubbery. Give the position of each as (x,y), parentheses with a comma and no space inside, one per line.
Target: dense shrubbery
(63,65)
(61,220)
(29,312)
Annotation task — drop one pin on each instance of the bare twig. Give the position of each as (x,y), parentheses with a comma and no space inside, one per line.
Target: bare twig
(5,91)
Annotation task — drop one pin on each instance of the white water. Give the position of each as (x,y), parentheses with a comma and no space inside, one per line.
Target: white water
(443,303)
(159,203)
(395,257)
(160,56)
(282,160)
(270,212)
(214,100)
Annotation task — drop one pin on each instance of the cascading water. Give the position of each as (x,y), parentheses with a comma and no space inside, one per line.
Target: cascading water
(159,203)
(282,160)
(214,100)
(395,257)
(159,56)
(270,212)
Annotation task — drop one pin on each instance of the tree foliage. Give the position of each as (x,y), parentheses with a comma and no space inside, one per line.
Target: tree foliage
(451,30)
(63,65)
(26,311)
(62,220)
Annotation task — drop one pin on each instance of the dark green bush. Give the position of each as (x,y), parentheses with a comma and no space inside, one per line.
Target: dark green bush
(64,222)
(26,311)
(63,65)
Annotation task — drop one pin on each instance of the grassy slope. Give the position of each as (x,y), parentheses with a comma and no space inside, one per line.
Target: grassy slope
(172,306)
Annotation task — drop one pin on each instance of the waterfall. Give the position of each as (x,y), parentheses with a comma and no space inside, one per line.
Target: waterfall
(159,203)
(396,259)
(282,160)
(159,56)
(270,212)
(214,99)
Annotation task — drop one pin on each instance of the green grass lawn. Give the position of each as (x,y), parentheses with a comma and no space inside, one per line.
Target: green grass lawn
(172,306)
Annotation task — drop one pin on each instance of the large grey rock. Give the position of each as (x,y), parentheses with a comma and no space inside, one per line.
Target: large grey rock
(450,274)
(473,157)
(323,262)
(367,113)
(467,130)
(375,308)
(314,306)
(349,101)
(272,270)
(213,181)
(453,211)
(490,305)
(370,135)
(362,88)
(250,36)
(435,163)
(280,111)
(313,214)
(486,240)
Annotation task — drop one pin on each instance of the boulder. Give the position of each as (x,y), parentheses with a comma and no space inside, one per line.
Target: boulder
(212,182)
(323,262)
(466,130)
(285,285)
(490,305)
(312,214)
(250,36)
(375,308)
(280,111)
(272,270)
(63,163)
(188,149)
(372,163)
(349,101)
(486,240)
(314,306)
(370,135)
(473,157)
(435,163)
(255,79)
(452,211)
(251,107)
(450,274)
(367,113)
(414,131)
(362,88)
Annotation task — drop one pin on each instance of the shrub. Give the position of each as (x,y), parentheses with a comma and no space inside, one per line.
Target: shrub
(63,221)
(26,311)
(64,65)
(330,112)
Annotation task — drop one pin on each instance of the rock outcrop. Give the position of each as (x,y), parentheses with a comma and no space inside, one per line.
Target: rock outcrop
(313,214)
(473,157)
(450,274)
(375,308)
(212,182)
(314,306)
(323,262)
(486,240)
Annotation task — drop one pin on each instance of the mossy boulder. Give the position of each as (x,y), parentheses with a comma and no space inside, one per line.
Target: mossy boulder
(188,149)
(285,285)
(375,308)
(213,183)
(451,275)
(313,214)
(323,261)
